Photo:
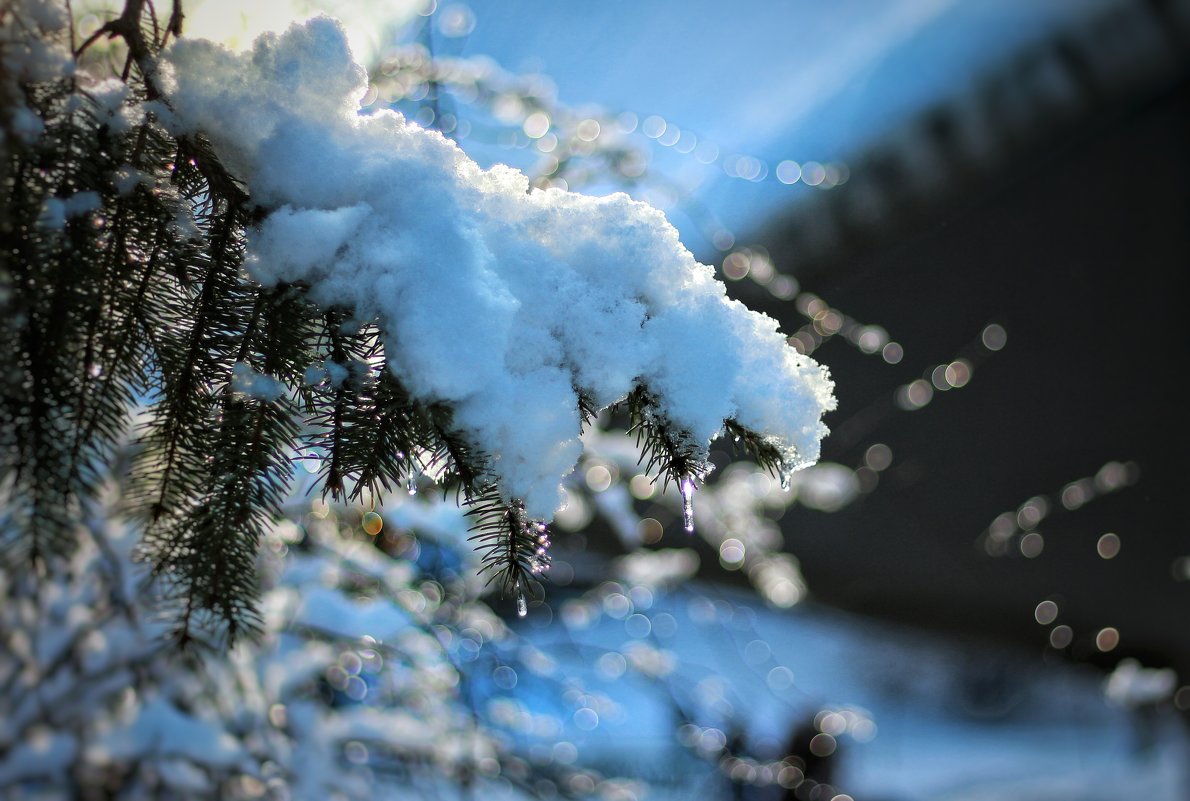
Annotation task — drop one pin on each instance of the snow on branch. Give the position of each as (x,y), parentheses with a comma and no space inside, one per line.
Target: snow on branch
(502,301)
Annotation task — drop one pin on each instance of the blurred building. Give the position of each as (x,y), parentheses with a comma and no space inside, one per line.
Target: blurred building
(1017,258)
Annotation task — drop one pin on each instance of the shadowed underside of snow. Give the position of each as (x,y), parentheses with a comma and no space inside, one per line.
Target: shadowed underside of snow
(498,299)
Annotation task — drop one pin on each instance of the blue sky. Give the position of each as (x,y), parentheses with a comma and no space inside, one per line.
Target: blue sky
(801,80)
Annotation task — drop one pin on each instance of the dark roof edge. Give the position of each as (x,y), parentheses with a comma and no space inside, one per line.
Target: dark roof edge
(1064,88)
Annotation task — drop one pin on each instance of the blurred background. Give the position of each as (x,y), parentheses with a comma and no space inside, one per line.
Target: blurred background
(977,213)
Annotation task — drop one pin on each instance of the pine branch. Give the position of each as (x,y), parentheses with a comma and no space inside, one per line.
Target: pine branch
(344,387)
(767,455)
(67,266)
(387,433)
(588,409)
(207,560)
(193,351)
(665,450)
(144,301)
(514,548)
(460,465)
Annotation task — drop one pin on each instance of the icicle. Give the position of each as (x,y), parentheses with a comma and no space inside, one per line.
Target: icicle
(411,485)
(522,605)
(687,490)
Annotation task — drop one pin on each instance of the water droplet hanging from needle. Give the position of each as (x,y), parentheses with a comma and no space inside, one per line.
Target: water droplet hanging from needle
(522,605)
(687,490)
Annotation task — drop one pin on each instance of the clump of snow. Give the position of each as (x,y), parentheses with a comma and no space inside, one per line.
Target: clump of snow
(327,610)
(56,211)
(256,385)
(660,567)
(496,298)
(1131,684)
(160,727)
(42,754)
(827,487)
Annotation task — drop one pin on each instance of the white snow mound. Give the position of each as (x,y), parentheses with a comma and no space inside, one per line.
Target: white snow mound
(494,297)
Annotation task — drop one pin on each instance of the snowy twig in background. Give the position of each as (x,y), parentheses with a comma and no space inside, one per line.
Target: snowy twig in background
(371,672)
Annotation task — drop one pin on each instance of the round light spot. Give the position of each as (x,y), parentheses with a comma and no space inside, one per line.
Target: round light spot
(653,126)
(642,487)
(612,665)
(686,143)
(1032,545)
(650,530)
(598,478)
(1032,512)
(1077,493)
(958,373)
(790,777)
(1108,546)
(637,626)
(915,395)
(994,337)
(588,130)
(565,753)
(878,457)
(783,287)
(782,592)
(736,265)
(822,745)
(665,625)
(1107,639)
(757,652)
(351,662)
(723,239)
(938,378)
(780,678)
(641,597)
(356,752)
(536,125)
(504,677)
(586,719)
(706,152)
(711,740)
(871,338)
(863,730)
(456,20)
(789,172)
(1046,612)
(355,688)
(617,605)
(731,554)
(1061,637)
(832,723)
(670,136)
(813,173)
(372,523)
